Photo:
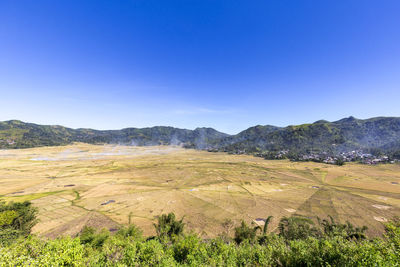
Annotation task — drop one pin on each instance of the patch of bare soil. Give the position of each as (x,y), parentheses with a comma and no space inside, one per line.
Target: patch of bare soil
(381,207)
(74,227)
(380,219)
(290,210)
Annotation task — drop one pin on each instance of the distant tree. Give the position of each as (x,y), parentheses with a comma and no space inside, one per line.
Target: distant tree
(167,226)
(266,223)
(130,231)
(339,162)
(89,236)
(245,232)
(292,228)
(355,232)
(332,228)
(264,236)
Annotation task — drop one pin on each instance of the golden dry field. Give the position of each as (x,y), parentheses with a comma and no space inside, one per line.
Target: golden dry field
(104,186)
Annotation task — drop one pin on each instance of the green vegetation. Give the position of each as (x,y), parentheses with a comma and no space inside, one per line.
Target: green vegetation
(168,227)
(294,228)
(30,197)
(376,135)
(16,219)
(245,233)
(299,242)
(17,134)
(339,162)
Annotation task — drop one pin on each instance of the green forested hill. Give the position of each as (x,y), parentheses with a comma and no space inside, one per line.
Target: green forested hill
(17,134)
(343,135)
(382,133)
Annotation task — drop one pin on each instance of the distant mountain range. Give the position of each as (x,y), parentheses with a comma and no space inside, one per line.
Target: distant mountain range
(381,133)
(18,134)
(343,135)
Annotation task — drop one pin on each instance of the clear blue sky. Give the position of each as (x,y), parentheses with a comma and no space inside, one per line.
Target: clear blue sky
(188,63)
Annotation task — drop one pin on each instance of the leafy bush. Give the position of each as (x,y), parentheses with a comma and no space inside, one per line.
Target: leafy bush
(332,228)
(168,227)
(132,231)
(292,228)
(245,233)
(16,219)
(328,246)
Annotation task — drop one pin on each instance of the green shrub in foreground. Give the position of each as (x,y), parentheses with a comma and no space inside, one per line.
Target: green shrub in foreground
(329,246)
(16,219)
(193,251)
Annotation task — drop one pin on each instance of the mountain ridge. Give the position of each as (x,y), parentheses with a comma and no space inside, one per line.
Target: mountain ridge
(347,133)
(378,133)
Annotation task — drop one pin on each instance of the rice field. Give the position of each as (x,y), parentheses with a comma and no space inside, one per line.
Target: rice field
(108,185)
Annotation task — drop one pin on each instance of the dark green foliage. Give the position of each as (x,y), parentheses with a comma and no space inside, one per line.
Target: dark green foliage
(245,233)
(355,232)
(132,231)
(331,228)
(185,249)
(372,135)
(266,223)
(339,162)
(392,230)
(89,236)
(293,228)
(376,135)
(263,239)
(16,219)
(330,247)
(17,134)
(167,226)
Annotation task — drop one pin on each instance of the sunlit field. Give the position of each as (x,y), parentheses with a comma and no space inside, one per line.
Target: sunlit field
(104,186)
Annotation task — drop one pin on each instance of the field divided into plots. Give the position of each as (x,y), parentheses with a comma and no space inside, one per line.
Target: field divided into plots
(105,186)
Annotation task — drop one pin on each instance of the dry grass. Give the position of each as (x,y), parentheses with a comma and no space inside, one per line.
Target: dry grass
(69,184)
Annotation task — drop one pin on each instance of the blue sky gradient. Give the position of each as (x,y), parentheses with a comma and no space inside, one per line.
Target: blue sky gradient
(223,64)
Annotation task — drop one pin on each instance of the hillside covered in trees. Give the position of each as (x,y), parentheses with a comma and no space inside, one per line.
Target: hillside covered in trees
(18,134)
(343,135)
(375,135)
